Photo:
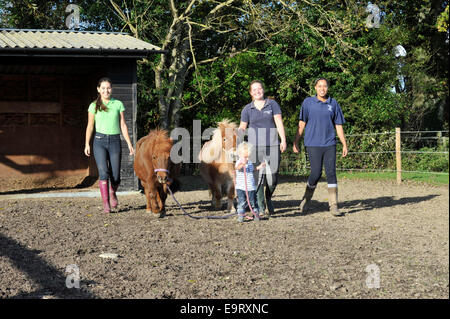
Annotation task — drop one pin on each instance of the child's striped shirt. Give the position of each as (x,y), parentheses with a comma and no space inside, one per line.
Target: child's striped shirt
(240,179)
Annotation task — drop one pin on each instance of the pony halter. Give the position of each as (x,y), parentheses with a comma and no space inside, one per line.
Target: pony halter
(161,170)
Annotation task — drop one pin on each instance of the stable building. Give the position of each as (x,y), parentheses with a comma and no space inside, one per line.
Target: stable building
(48,78)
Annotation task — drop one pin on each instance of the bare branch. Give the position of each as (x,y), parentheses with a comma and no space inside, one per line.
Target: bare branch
(124,18)
(209,27)
(191,46)
(188,8)
(173,9)
(220,6)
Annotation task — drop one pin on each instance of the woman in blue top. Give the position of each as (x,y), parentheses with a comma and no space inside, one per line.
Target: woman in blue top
(320,116)
(265,124)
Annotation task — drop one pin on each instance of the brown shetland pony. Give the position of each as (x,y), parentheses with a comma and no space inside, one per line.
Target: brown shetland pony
(216,163)
(154,168)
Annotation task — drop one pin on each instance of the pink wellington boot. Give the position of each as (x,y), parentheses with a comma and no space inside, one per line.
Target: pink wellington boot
(112,195)
(103,185)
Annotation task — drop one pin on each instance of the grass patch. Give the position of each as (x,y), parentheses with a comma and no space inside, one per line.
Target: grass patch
(436,179)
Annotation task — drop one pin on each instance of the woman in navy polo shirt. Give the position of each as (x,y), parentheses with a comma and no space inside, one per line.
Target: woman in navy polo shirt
(320,116)
(265,124)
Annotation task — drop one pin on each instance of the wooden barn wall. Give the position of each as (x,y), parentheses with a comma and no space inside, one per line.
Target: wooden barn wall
(43,114)
(41,126)
(124,77)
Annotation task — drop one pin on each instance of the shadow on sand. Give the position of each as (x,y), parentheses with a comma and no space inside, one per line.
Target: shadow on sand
(50,280)
(348,207)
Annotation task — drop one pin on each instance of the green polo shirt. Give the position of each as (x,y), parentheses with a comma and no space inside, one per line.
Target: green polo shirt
(108,122)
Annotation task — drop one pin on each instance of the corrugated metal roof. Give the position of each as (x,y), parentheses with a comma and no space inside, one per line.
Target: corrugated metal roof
(68,39)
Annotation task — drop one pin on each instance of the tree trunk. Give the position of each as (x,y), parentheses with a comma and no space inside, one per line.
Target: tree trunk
(170,83)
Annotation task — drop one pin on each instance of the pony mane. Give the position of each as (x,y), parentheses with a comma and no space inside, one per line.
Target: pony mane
(226,123)
(159,140)
(212,149)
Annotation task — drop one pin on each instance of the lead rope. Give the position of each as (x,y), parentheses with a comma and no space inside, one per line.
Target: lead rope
(246,194)
(197,217)
(213,217)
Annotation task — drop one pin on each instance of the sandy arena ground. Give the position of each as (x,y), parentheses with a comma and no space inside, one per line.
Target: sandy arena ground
(400,231)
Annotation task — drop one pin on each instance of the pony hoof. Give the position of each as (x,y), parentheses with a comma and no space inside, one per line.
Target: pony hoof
(217,205)
(162,214)
(152,213)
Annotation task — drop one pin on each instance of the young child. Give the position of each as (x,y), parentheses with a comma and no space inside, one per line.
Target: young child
(244,150)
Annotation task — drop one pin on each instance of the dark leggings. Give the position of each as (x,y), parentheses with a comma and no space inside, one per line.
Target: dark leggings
(108,153)
(319,156)
(270,155)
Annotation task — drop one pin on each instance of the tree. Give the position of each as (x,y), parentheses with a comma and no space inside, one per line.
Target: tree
(32,14)
(442,22)
(52,15)
(192,33)
(215,48)
(195,33)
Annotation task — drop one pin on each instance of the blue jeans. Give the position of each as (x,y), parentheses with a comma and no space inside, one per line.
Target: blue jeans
(108,153)
(242,201)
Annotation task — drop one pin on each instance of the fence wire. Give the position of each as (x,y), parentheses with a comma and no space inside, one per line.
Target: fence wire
(384,152)
(413,150)
(373,161)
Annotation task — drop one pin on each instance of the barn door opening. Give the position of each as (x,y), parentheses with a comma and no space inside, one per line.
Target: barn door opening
(42,126)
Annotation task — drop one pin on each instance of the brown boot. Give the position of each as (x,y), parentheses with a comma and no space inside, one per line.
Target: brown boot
(103,185)
(309,192)
(333,200)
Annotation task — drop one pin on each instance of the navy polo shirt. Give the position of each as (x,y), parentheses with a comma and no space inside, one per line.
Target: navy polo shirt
(320,118)
(262,130)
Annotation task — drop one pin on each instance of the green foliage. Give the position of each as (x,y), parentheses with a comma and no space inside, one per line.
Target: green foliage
(374,153)
(442,22)
(428,178)
(369,152)
(32,14)
(429,161)
(363,73)
(220,90)
(327,39)
(294,164)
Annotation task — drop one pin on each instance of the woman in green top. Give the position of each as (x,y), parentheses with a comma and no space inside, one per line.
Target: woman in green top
(106,113)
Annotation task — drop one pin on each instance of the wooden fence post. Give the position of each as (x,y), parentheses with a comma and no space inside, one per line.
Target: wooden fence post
(398,154)
(439,139)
